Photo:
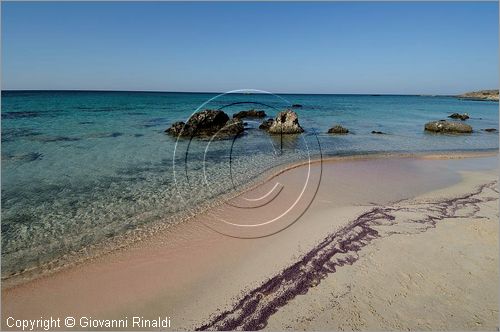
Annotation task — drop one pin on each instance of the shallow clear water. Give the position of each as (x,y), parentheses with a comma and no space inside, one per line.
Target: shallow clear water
(79,167)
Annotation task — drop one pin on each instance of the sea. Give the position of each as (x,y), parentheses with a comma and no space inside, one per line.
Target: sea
(82,167)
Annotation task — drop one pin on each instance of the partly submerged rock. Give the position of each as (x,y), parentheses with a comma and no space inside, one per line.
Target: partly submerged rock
(175,128)
(448,127)
(490,130)
(206,124)
(250,114)
(378,132)
(231,128)
(286,122)
(296,106)
(462,117)
(338,129)
(266,124)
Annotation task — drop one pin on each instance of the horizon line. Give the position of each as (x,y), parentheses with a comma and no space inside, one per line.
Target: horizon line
(250,92)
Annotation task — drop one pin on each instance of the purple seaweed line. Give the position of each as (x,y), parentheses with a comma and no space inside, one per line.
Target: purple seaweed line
(338,249)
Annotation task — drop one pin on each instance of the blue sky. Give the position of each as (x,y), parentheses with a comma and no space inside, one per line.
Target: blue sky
(332,47)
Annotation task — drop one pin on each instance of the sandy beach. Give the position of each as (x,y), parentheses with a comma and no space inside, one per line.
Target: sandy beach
(408,242)
(253,165)
(442,278)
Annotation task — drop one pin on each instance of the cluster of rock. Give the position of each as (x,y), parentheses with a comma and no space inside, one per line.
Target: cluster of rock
(207,123)
(480,95)
(443,126)
(216,123)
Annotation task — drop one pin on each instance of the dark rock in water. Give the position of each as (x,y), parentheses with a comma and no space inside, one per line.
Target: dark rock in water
(250,114)
(296,106)
(338,129)
(378,132)
(491,130)
(266,124)
(462,117)
(448,127)
(206,124)
(286,122)
(207,121)
(231,128)
(176,128)
(138,135)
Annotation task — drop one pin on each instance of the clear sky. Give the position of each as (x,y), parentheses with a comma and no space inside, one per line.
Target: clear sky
(333,47)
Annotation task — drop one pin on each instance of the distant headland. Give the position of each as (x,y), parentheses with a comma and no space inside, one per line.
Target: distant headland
(480,95)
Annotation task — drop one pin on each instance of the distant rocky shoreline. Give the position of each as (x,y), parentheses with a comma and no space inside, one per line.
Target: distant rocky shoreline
(480,95)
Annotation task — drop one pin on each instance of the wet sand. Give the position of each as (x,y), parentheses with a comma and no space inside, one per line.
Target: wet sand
(246,273)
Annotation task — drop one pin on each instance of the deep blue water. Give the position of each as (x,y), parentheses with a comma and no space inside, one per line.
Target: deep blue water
(79,167)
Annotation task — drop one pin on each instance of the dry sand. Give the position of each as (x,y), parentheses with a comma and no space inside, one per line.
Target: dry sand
(421,258)
(441,278)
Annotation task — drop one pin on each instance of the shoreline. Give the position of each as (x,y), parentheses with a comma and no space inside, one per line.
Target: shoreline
(123,241)
(195,275)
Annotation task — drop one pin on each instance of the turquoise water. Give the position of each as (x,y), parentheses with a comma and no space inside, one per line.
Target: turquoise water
(80,167)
